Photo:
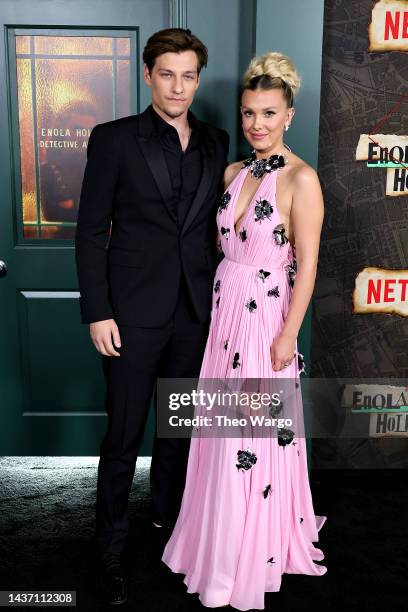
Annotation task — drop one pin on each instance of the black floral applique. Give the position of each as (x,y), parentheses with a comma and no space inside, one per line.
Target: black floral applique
(279,234)
(217,286)
(263,210)
(263,274)
(267,491)
(243,235)
(225,345)
(285,436)
(224,201)
(270,561)
(225,232)
(251,305)
(217,303)
(275,409)
(291,269)
(301,363)
(246,459)
(301,519)
(258,167)
(236,361)
(273,292)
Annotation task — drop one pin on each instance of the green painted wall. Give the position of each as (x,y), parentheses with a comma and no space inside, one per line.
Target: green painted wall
(295,27)
(234,32)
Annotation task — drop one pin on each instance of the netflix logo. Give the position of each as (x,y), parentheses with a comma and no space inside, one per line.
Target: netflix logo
(381,290)
(388,29)
(388,290)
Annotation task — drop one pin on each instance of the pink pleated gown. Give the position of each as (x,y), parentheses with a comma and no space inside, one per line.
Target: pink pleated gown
(232,543)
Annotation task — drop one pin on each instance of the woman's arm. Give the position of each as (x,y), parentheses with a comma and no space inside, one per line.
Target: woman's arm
(306,216)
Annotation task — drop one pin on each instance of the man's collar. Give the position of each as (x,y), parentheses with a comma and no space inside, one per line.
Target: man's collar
(162,126)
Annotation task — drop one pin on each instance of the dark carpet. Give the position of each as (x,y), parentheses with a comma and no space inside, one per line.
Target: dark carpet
(46,539)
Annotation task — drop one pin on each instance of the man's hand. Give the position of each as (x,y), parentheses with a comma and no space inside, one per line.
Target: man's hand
(102,333)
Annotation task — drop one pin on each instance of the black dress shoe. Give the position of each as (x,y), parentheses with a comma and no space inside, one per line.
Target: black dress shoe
(113,580)
(162,524)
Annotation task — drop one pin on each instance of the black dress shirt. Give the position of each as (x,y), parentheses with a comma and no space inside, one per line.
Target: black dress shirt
(184,166)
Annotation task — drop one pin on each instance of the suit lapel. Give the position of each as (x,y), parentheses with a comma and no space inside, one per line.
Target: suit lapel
(152,151)
(208,156)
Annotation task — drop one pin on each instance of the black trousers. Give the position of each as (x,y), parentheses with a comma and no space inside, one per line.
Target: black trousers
(173,351)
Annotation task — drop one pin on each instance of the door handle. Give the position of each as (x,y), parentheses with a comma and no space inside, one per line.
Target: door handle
(3,269)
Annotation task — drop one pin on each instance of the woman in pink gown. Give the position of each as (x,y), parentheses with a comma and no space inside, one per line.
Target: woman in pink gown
(239,530)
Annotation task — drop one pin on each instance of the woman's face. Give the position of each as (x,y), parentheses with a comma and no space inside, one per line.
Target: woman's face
(264,116)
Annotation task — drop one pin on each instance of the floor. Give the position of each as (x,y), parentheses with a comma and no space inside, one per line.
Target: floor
(46,529)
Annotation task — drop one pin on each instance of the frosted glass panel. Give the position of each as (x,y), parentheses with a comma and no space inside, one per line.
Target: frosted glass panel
(73,45)
(65,86)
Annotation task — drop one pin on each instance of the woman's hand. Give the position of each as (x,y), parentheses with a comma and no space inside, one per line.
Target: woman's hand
(218,243)
(283,351)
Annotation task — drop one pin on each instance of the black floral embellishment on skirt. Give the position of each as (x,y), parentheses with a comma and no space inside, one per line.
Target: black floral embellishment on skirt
(225,200)
(273,292)
(243,235)
(280,236)
(246,459)
(251,305)
(226,345)
(285,436)
(263,210)
(301,363)
(263,274)
(270,561)
(225,232)
(217,286)
(301,520)
(217,303)
(236,361)
(291,270)
(267,491)
(275,409)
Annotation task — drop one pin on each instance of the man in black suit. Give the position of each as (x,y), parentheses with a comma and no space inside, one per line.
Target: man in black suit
(146,255)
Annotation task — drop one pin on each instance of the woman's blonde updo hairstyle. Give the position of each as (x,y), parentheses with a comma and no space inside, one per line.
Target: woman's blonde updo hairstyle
(273,70)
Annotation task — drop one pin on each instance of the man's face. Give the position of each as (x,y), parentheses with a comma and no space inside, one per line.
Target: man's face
(173,80)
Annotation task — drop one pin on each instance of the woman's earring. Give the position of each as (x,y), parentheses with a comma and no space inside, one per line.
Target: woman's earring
(286,127)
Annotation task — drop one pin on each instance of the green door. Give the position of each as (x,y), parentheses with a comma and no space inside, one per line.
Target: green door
(67,65)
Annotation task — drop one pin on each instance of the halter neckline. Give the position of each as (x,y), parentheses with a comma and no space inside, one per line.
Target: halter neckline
(259,167)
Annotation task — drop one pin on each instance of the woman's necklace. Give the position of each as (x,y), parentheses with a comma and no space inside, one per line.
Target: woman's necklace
(258,167)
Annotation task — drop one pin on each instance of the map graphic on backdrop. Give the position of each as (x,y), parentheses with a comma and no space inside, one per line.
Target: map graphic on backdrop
(364,228)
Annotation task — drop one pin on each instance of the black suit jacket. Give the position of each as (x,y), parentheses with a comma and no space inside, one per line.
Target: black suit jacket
(130,252)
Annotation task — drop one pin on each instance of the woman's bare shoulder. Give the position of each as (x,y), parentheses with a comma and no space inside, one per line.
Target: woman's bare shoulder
(306,189)
(301,171)
(230,172)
